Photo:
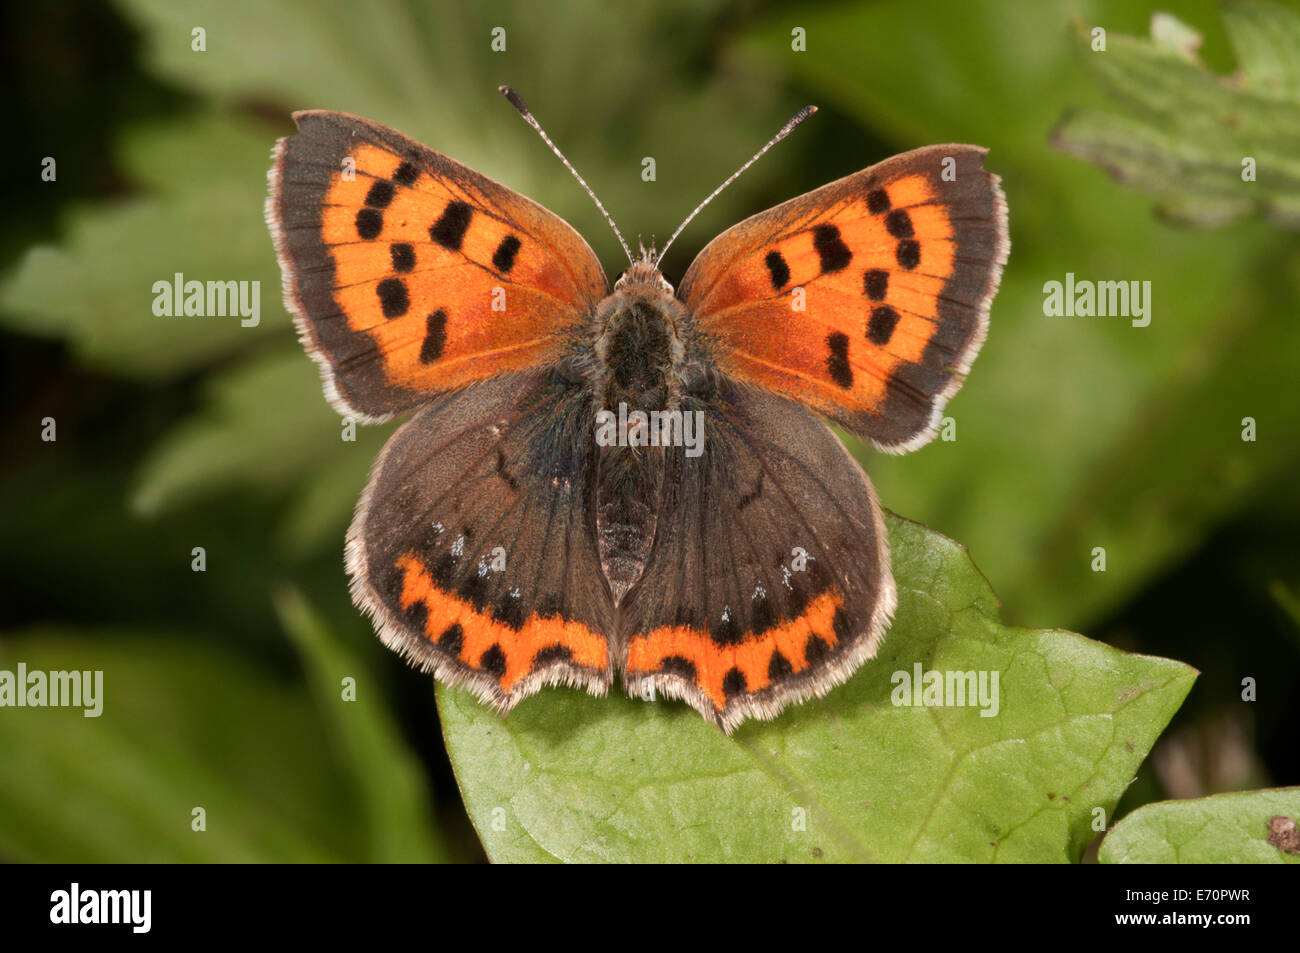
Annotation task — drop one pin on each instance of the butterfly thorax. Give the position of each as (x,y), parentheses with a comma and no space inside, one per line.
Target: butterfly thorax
(639,345)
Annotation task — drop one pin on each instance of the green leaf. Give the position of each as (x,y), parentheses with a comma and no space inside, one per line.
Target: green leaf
(850,777)
(201,216)
(1265,36)
(1183,133)
(278,786)
(263,426)
(1222,829)
(393,790)
(121,787)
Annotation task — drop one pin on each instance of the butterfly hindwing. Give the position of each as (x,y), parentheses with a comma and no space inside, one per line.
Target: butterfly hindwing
(472,546)
(410,274)
(866,299)
(769,579)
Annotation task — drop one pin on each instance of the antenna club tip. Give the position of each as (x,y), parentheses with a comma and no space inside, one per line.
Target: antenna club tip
(515,99)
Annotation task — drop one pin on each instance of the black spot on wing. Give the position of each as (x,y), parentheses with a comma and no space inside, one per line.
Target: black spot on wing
(733,683)
(370,222)
(843,628)
(908,253)
(778,667)
(830,247)
(509,611)
(417,614)
(435,337)
(443,570)
(762,616)
(899,223)
(727,632)
(452,638)
(816,649)
(875,284)
(677,665)
(880,328)
(406,174)
(552,653)
(393,298)
(474,590)
(777,269)
(493,661)
(837,361)
(503,259)
(403,256)
(380,194)
(449,230)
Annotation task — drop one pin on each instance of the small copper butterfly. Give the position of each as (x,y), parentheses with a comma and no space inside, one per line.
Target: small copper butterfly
(636,481)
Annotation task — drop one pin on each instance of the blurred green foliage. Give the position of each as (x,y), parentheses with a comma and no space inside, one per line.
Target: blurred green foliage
(1213,147)
(1072,433)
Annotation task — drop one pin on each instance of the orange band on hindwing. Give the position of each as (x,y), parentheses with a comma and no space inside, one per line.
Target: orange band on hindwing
(721,671)
(506,652)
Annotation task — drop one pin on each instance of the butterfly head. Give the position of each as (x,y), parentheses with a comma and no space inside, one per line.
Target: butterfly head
(644,272)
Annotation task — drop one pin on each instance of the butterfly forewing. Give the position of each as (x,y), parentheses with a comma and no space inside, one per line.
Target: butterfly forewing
(410,274)
(865,299)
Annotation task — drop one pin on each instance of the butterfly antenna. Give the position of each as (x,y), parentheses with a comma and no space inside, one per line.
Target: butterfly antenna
(519,104)
(788,128)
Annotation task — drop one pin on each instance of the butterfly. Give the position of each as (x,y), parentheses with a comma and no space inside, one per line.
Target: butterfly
(635,482)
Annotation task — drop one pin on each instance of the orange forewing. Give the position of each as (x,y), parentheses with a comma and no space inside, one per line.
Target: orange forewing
(865,299)
(410,274)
